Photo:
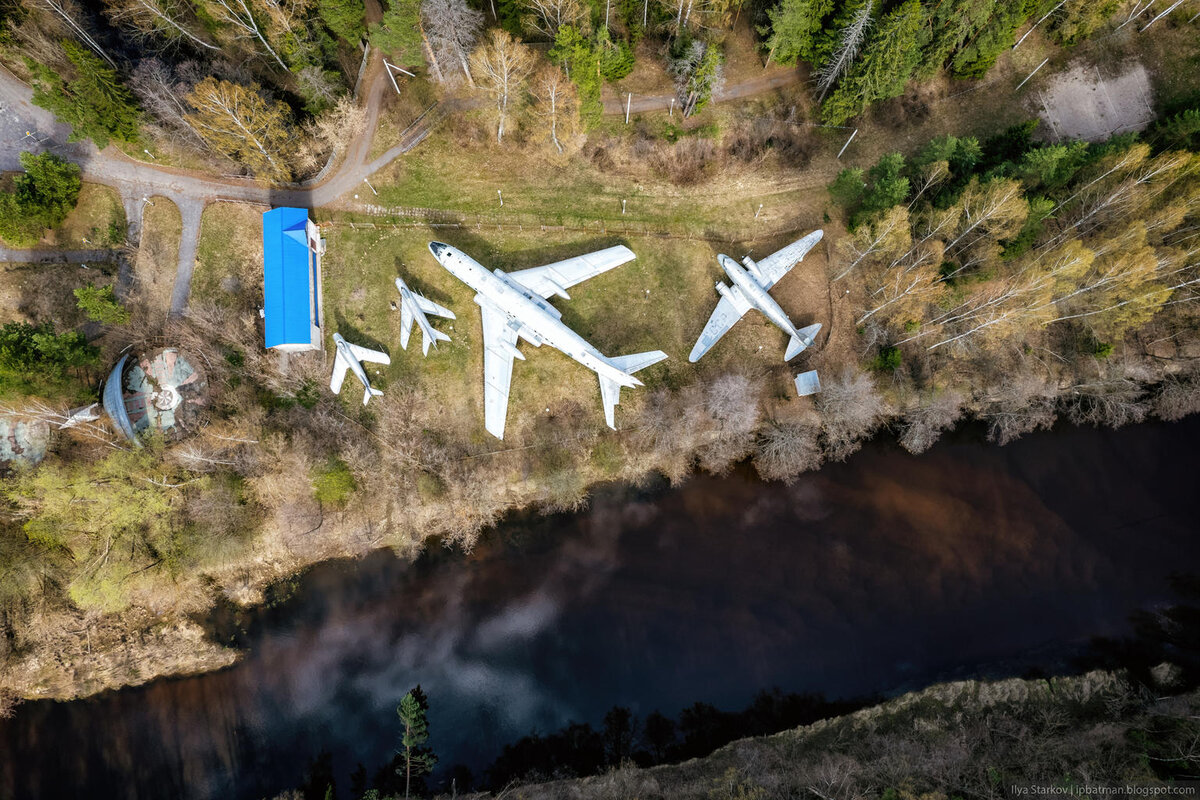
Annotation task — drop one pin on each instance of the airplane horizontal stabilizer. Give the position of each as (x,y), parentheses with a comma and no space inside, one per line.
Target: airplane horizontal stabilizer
(798,343)
(610,395)
(632,363)
(370,392)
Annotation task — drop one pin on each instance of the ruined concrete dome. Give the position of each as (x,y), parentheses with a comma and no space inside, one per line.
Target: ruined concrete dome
(161,392)
(23,439)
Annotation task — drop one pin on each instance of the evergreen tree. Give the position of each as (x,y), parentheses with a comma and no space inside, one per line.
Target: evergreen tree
(884,68)
(346,18)
(796,28)
(91,99)
(951,24)
(100,304)
(42,197)
(977,56)
(574,53)
(399,32)
(418,759)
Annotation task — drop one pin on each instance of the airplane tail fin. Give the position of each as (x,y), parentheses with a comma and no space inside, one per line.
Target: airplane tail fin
(370,392)
(610,390)
(803,339)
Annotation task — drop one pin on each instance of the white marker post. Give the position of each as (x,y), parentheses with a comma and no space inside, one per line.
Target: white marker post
(847,144)
(147,152)
(622,207)
(759,211)
(147,201)
(628,103)
(501,198)
(369,186)
(671,110)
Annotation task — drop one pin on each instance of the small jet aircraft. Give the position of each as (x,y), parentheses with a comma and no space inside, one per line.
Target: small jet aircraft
(514,306)
(414,307)
(750,286)
(349,357)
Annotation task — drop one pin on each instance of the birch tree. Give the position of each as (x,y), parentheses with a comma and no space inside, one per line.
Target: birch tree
(240,16)
(501,65)
(556,103)
(168,21)
(451,28)
(547,16)
(240,123)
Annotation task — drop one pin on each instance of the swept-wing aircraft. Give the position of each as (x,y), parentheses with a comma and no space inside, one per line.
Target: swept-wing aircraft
(349,357)
(514,307)
(751,284)
(414,307)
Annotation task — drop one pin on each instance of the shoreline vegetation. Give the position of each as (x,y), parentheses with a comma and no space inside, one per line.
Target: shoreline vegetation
(1003,277)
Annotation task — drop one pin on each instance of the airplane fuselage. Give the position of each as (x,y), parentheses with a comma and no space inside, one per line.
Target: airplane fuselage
(406,297)
(753,291)
(530,315)
(352,362)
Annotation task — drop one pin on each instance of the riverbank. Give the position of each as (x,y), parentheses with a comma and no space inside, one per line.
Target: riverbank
(971,738)
(883,574)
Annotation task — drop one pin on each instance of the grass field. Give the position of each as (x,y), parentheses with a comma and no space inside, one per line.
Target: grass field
(659,301)
(98,221)
(229,256)
(157,258)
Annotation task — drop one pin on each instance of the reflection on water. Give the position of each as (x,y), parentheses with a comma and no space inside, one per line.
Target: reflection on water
(884,573)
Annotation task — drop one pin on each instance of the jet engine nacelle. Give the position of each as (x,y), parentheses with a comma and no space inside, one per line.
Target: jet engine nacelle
(724,291)
(750,264)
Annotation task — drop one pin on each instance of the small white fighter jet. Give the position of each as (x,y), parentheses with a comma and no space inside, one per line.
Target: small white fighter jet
(514,306)
(751,284)
(414,307)
(349,357)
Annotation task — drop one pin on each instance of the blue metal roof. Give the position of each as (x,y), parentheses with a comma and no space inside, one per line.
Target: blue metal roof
(287,277)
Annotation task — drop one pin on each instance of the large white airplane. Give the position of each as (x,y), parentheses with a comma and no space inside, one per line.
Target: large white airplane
(751,284)
(349,357)
(414,307)
(514,306)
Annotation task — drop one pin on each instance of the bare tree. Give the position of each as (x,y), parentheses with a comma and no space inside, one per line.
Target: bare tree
(786,449)
(452,28)
(1112,403)
(732,400)
(547,16)
(851,409)
(1023,403)
(1177,398)
(501,64)
(240,15)
(925,423)
(162,19)
(69,13)
(555,101)
(161,88)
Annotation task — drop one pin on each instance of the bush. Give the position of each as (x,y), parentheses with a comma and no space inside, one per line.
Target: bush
(41,198)
(100,304)
(34,360)
(333,484)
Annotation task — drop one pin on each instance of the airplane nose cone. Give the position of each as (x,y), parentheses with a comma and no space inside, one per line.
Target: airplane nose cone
(437,248)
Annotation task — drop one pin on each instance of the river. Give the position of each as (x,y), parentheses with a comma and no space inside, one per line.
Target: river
(885,573)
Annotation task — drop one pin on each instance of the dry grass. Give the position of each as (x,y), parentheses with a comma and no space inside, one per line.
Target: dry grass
(38,293)
(98,221)
(229,256)
(157,260)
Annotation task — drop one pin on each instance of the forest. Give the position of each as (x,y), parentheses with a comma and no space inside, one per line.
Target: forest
(265,87)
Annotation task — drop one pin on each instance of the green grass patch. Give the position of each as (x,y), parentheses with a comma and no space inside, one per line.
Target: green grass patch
(333,483)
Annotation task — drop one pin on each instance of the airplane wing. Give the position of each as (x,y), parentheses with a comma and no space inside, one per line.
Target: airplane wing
(499,349)
(339,373)
(556,278)
(430,307)
(406,323)
(723,318)
(779,263)
(374,356)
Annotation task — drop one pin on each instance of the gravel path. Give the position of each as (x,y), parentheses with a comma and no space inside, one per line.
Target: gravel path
(25,127)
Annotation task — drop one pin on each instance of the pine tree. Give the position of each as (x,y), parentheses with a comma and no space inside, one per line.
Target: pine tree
(346,18)
(951,24)
(399,32)
(795,29)
(418,759)
(884,68)
(92,99)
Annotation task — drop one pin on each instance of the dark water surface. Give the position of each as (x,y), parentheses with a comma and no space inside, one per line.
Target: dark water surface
(884,573)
